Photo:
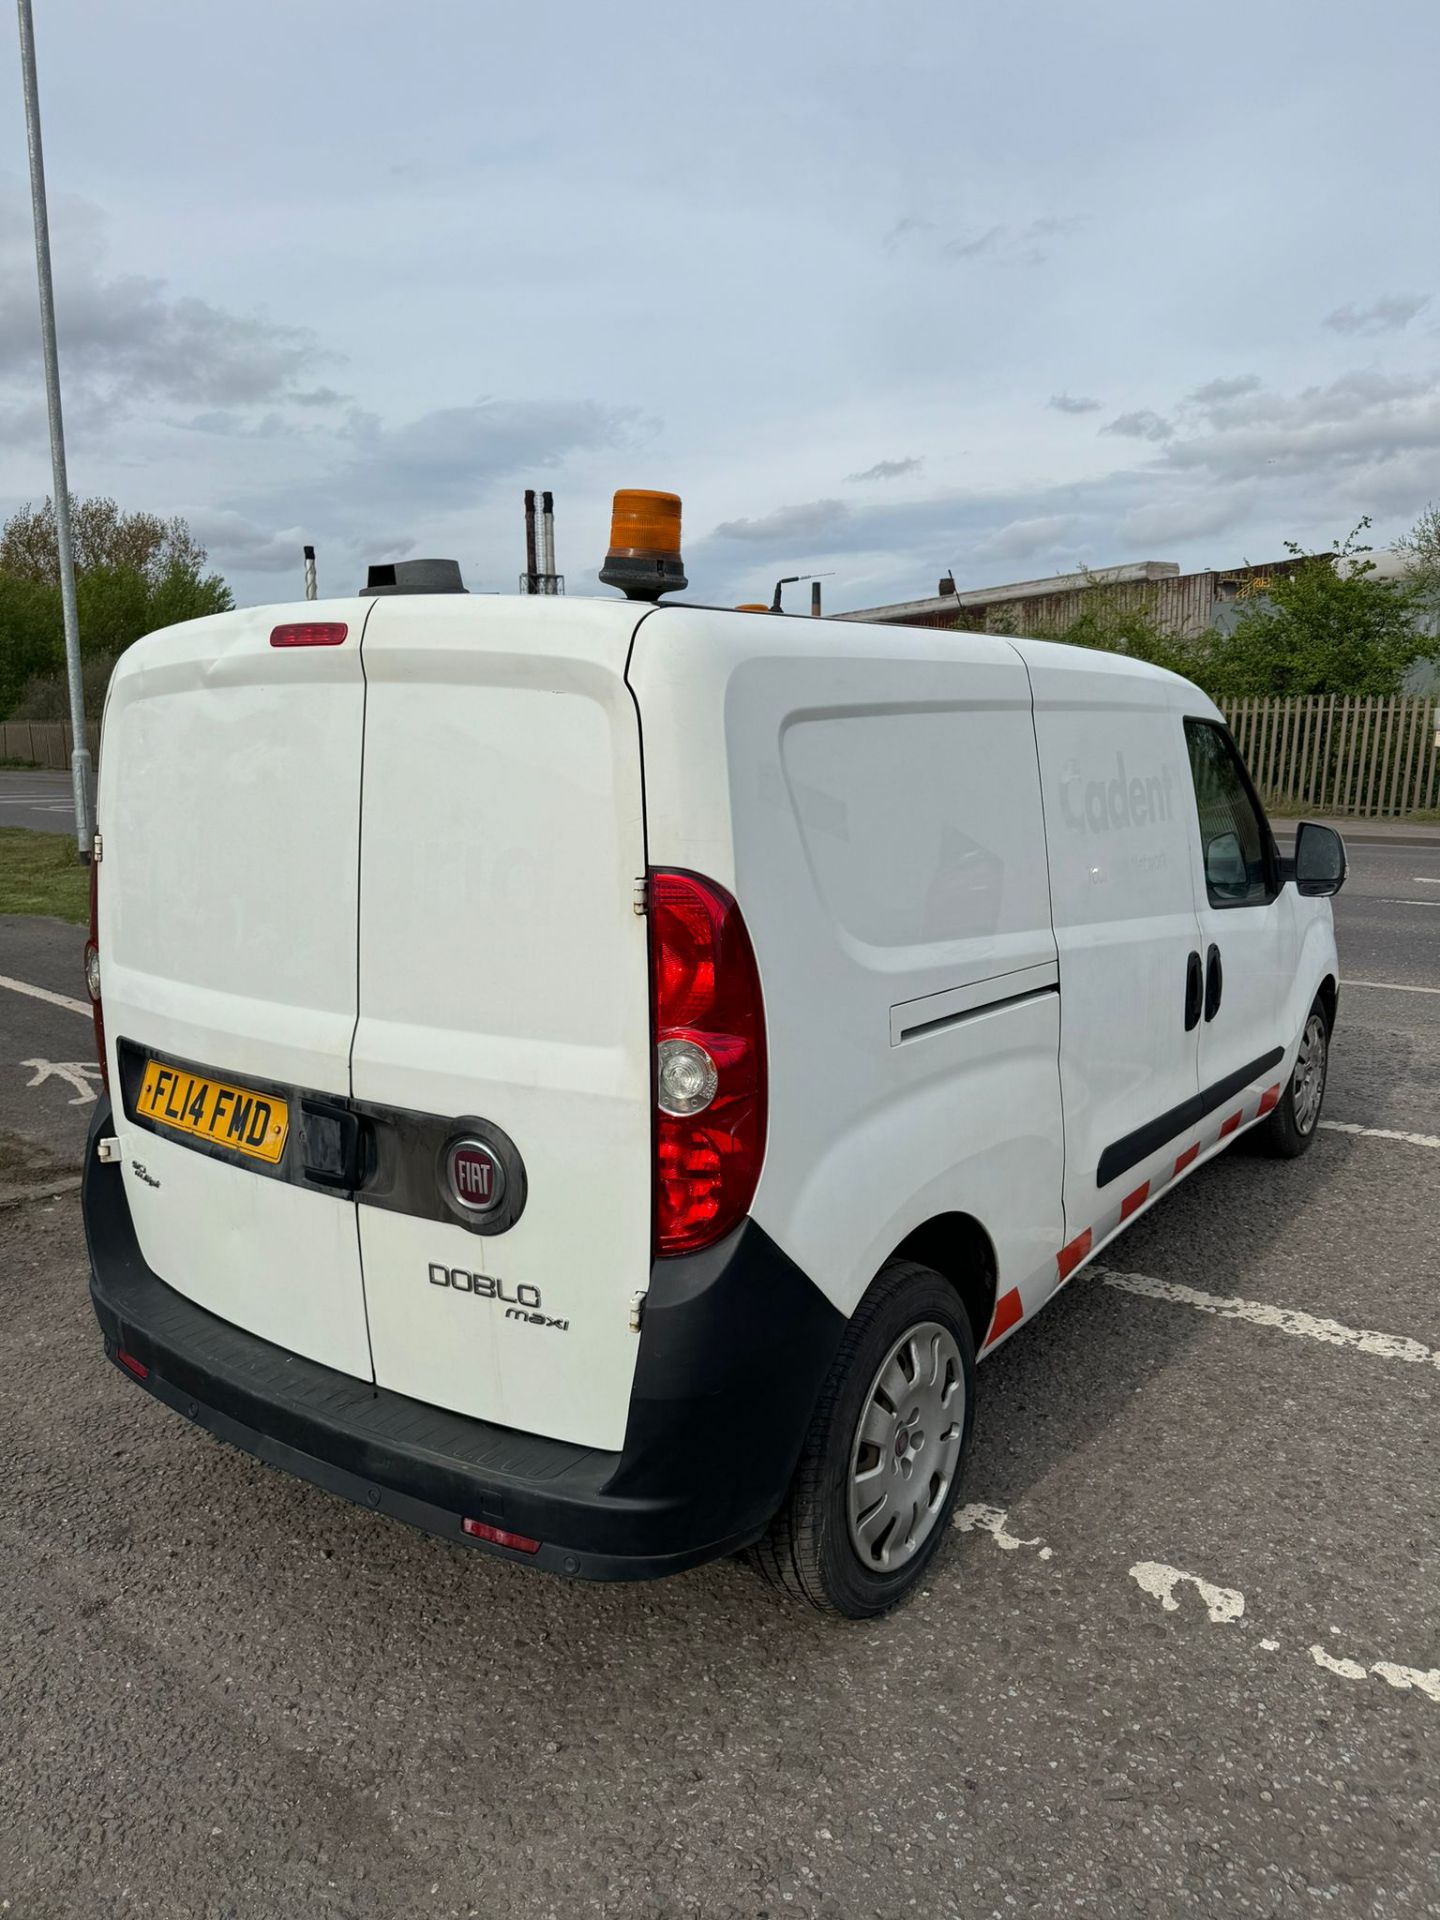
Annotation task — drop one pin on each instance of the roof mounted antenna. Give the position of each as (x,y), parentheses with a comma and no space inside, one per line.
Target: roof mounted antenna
(793,580)
(312,591)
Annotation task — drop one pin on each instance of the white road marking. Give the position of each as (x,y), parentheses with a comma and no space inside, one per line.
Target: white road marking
(1383,1346)
(1388,900)
(1424,880)
(1347,1669)
(1224,1604)
(1426,1681)
(78,1073)
(1382,1133)
(44,993)
(1388,986)
(992,1520)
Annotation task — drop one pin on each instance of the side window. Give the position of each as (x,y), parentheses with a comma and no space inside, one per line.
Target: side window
(1233,835)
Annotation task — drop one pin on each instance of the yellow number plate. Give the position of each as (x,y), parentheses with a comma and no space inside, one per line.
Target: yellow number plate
(256,1124)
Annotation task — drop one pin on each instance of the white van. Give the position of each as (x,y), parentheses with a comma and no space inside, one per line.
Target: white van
(589,1078)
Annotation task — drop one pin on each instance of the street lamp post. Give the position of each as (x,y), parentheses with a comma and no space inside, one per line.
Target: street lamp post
(80,767)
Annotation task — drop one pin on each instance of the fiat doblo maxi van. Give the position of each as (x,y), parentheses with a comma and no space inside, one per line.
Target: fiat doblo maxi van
(590,1078)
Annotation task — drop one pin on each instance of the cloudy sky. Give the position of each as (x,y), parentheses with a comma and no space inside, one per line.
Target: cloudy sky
(881,290)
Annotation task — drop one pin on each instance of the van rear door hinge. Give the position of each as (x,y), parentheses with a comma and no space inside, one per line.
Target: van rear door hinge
(97,849)
(637,1311)
(640,899)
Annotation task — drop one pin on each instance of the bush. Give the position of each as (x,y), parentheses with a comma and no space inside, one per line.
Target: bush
(134,572)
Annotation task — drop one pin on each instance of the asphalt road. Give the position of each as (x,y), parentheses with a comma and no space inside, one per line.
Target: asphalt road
(32,798)
(48,1074)
(1183,1656)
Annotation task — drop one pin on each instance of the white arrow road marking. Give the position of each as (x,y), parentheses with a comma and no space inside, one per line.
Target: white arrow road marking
(1223,1604)
(1385,1346)
(44,993)
(78,1073)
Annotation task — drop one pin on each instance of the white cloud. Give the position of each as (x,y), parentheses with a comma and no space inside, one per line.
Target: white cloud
(1388,314)
(1183,517)
(889,469)
(1073,403)
(1140,425)
(236,543)
(1215,391)
(125,339)
(1361,419)
(791,527)
(1020,539)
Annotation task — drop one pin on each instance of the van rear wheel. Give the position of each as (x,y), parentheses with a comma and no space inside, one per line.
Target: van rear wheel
(1290,1130)
(878,1476)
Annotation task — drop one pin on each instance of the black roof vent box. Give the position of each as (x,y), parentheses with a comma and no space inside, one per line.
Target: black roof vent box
(414,576)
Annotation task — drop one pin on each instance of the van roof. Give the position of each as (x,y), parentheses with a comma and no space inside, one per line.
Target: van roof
(769,632)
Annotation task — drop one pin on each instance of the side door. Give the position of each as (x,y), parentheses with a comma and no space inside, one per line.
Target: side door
(1116,790)
(1246,920)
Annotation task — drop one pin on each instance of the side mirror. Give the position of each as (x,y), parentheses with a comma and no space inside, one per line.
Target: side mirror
(1225,865)
(1320,863)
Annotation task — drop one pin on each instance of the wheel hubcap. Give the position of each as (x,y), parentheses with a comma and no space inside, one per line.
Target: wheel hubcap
(1308,1081)
(907,1447)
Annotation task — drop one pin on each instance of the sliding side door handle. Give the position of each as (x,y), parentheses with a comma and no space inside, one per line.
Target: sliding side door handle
(1194,992)
(1214,983)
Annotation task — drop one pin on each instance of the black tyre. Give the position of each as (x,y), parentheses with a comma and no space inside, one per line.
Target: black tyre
(870,1503)
(1291,1128)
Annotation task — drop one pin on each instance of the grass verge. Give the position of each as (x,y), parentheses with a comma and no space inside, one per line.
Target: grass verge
(39,873)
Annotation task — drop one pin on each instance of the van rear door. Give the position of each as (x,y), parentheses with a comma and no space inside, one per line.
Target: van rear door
(504,1003)
(229,804)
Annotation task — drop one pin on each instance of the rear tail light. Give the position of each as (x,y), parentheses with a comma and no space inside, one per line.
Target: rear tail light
(709,1062)
(131,1364)
(92,973)
(482,1530)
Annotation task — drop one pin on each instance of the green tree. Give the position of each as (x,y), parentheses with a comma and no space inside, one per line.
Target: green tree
(1421,548)
(1328,624)
(133,572)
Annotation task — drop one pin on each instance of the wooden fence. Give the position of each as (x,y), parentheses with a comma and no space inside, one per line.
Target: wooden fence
(1371,758)
(42,743)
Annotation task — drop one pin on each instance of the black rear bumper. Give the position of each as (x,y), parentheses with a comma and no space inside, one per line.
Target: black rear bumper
(735,1344)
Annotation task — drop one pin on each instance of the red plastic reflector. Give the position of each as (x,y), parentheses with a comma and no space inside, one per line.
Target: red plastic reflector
(309,633)
(705,988)
(1069,1257)
(131,1364)
(1009,1312)
(1134,1201)
(92,945)
(482,1530)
